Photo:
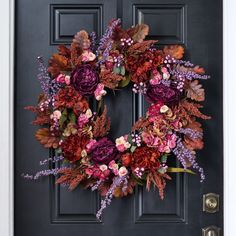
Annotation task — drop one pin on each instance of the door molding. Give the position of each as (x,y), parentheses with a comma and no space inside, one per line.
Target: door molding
(7,114)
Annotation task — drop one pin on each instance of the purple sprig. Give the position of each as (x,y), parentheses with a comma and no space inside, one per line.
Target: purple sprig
(97,184)
(93,38)
(190,75)
(52,160)
(106,41)
(49,86)
(44,78)
(183,154)
(191,133)
(42,173)
(117,182)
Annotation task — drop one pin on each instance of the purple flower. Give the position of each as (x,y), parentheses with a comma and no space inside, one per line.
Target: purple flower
(103,151)
(85,79)
(161,93)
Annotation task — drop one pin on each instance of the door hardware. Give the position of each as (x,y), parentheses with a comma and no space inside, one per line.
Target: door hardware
(211,202)
(211,231)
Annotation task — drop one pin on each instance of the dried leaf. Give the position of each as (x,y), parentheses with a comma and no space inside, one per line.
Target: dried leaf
(64,51)
(192,109)
(199,70)
(193,144)
(45,137)
(58,63)
(141,47)
(175,51)
(71,177)
(101,125)
(140,124)
(139,32)
(82,39)
(110,79)
(195,91)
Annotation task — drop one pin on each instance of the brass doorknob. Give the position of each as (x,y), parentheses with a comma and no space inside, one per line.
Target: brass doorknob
(211,231)
(211,202)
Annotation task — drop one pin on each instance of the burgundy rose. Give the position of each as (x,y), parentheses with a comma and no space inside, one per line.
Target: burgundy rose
(162,93)
(103,151)
(85,79)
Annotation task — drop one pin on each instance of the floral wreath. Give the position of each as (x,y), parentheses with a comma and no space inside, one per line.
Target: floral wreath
(84,153)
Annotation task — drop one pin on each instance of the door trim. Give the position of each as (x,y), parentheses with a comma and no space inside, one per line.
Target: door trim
(6,118)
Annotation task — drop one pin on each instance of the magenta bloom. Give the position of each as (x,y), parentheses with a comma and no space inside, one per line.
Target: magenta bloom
(163,94)
(85,79)
(103,151)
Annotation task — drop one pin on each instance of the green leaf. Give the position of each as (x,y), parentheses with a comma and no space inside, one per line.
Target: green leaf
(63,118)
(125,82)
(122,70)
(72,117)
(132,149)
(164,158)
(116,70)
(179,170)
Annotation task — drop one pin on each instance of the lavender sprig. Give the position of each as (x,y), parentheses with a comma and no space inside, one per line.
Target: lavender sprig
(93,38)
(96,186)
(191,133)
(117,182)
(106,41)
(49,86)
(187,74)
(42,173)
(52,160)
(183,154)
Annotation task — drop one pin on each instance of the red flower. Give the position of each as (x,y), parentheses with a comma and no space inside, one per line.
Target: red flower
(147,158)
(68,97)
(73,146)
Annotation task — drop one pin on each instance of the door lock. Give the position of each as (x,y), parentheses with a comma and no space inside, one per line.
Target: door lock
(211,202)
(211,231)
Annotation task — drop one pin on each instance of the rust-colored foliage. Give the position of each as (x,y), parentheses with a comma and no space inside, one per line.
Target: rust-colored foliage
(158,180)
(140,47)
(101,125)
(175,51)
(189,109)
(46,138)
(119,192)
(71,177)
(110,79)
(140,124)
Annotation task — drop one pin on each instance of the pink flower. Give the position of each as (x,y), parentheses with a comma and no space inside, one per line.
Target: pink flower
(123,171)
(150,139)
(82,120)
(89,171)
(114,167)
(88,56)
(63,79)
(122,144)
(171,140)
(166,74)
(154,110)
(156,78)
(103,167)
(99,92)
(90,144)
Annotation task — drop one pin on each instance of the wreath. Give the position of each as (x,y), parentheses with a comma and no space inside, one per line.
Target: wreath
(83,152)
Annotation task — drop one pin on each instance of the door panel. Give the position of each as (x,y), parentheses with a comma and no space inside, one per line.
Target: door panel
(41,208)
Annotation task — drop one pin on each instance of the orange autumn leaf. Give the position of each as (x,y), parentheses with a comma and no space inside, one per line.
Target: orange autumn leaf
(45,137)
(175,51)
(110,79)
(139,32)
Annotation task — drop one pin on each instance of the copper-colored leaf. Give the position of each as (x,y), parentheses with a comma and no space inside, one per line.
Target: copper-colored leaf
(82,38)
(110,79)
(193,144)
(195,91)
(140,124)
(175,51)
(139,32)
(199,70)
(64,51)
(45,137)
(101,125)
(141,47)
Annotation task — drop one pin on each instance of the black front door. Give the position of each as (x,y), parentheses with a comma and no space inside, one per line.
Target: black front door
(42,209)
